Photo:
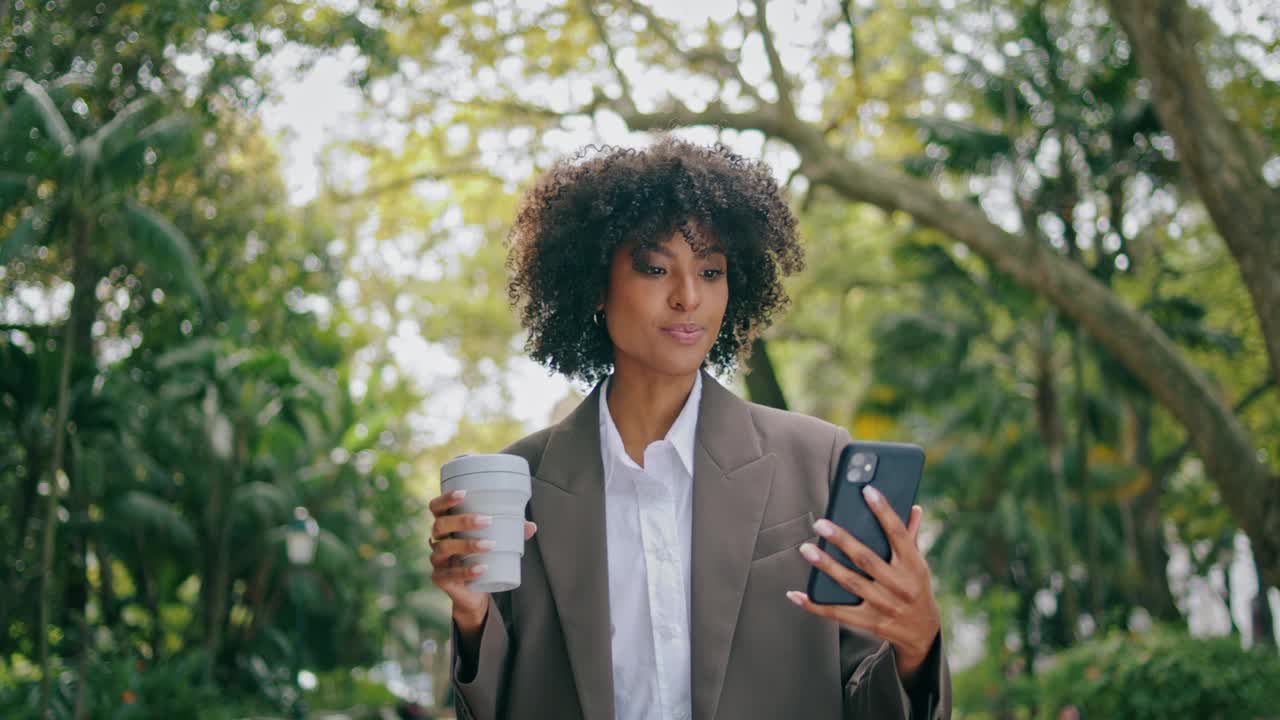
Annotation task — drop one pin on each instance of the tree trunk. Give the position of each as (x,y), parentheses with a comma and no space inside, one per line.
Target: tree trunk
(1220,158)
(82,293)
(1052,435)
(1153,556)
(217,580)
(13,580)
(106,583)
(1088,503)
(77,594)
(1224,163)
(1264,631)
(761,378)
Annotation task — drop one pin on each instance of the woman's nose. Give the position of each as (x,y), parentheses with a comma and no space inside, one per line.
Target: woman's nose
(684,297)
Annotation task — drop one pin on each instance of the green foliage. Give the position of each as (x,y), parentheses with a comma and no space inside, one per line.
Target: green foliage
(202,417)
(121,687)
(1162,674)
(342,689)
(199,418)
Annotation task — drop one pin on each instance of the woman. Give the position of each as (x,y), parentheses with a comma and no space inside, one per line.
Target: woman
(674,521)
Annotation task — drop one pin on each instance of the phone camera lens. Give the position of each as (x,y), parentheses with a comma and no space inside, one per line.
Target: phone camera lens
(862,467)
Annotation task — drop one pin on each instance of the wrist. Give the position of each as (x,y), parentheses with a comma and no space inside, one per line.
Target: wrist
(908,665)
(470,620)
(909,661)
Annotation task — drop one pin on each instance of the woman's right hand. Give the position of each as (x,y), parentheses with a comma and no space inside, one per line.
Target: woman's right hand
(448,572)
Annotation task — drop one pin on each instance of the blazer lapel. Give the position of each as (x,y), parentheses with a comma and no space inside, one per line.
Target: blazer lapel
(731,482)
(568,506)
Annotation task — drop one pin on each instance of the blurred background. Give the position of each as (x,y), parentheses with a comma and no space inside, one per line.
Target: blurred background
(252,295)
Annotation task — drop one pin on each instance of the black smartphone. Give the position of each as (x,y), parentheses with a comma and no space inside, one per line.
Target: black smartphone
(892,468)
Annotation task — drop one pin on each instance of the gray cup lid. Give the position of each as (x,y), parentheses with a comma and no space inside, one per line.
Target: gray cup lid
(490,462)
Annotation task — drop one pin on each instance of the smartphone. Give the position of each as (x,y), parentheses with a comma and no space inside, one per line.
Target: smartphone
(894,469)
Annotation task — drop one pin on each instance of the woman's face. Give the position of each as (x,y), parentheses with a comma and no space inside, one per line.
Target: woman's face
(664,311)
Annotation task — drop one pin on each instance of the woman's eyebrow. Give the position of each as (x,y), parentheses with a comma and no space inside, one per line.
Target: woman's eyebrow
(662,250)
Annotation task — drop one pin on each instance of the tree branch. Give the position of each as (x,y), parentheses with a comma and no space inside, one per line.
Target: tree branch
(406,181)
(1166,464)
(598,22)
(778,72)
(1143,348)
(1217,154)
(694,58)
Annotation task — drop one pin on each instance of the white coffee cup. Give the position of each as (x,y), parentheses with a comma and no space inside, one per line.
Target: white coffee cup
(497,485)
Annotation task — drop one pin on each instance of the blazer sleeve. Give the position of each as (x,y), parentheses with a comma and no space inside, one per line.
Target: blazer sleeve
(868,666)
(478,695)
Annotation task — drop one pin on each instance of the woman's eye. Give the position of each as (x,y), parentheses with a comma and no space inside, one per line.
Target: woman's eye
(654,270)
(712,274)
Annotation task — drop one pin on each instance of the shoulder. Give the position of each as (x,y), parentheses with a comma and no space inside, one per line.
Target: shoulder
(782,430)
(531,447)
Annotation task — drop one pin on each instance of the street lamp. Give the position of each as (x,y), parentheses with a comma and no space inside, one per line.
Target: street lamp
(301,537)
(300,543)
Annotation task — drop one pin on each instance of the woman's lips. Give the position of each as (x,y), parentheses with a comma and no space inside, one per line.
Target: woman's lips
(684,334)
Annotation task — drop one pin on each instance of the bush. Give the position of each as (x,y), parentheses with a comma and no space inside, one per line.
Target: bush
(1162,674)
(341,689)
(119,687)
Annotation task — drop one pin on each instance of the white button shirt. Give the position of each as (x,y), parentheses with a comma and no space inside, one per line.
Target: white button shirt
(649,536)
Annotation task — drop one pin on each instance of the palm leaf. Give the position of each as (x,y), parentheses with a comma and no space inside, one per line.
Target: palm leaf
(72,80)
(267,502)
(28,232)
(126,160)
(155,518)
(165,247)
(109,138)
(201,351)
(13,187)
(54,124)
(331,553)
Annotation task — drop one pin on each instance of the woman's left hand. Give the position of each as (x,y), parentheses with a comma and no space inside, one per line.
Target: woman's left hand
(897,603)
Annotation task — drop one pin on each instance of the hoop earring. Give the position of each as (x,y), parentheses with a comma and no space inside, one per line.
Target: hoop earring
(598,318)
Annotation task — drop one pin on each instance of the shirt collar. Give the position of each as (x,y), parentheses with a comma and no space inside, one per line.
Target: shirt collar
(681,434)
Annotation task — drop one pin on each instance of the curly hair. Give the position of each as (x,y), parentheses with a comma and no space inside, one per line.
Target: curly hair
(587,205)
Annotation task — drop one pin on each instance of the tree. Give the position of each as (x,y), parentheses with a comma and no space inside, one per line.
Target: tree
(1222,158)
(93,177)
(715,92)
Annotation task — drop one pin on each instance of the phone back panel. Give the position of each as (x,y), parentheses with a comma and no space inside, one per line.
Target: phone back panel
(897,476)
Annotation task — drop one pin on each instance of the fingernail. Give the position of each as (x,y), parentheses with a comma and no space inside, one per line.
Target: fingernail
(809,552)
(479,569)
(483,521)
(486,544)
(458,494)
(824,528)
(872,495)
(795,597)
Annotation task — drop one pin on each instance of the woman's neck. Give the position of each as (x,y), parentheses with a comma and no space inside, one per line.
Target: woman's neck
(644,405)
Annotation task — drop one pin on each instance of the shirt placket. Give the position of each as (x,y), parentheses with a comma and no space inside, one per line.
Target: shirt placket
(664,580)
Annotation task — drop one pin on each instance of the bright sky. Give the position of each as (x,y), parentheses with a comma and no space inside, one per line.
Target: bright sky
(318,108)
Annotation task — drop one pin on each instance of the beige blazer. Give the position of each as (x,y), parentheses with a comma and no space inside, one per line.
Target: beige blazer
(760,480)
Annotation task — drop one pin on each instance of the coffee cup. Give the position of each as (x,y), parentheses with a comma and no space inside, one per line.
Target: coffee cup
(496,485)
